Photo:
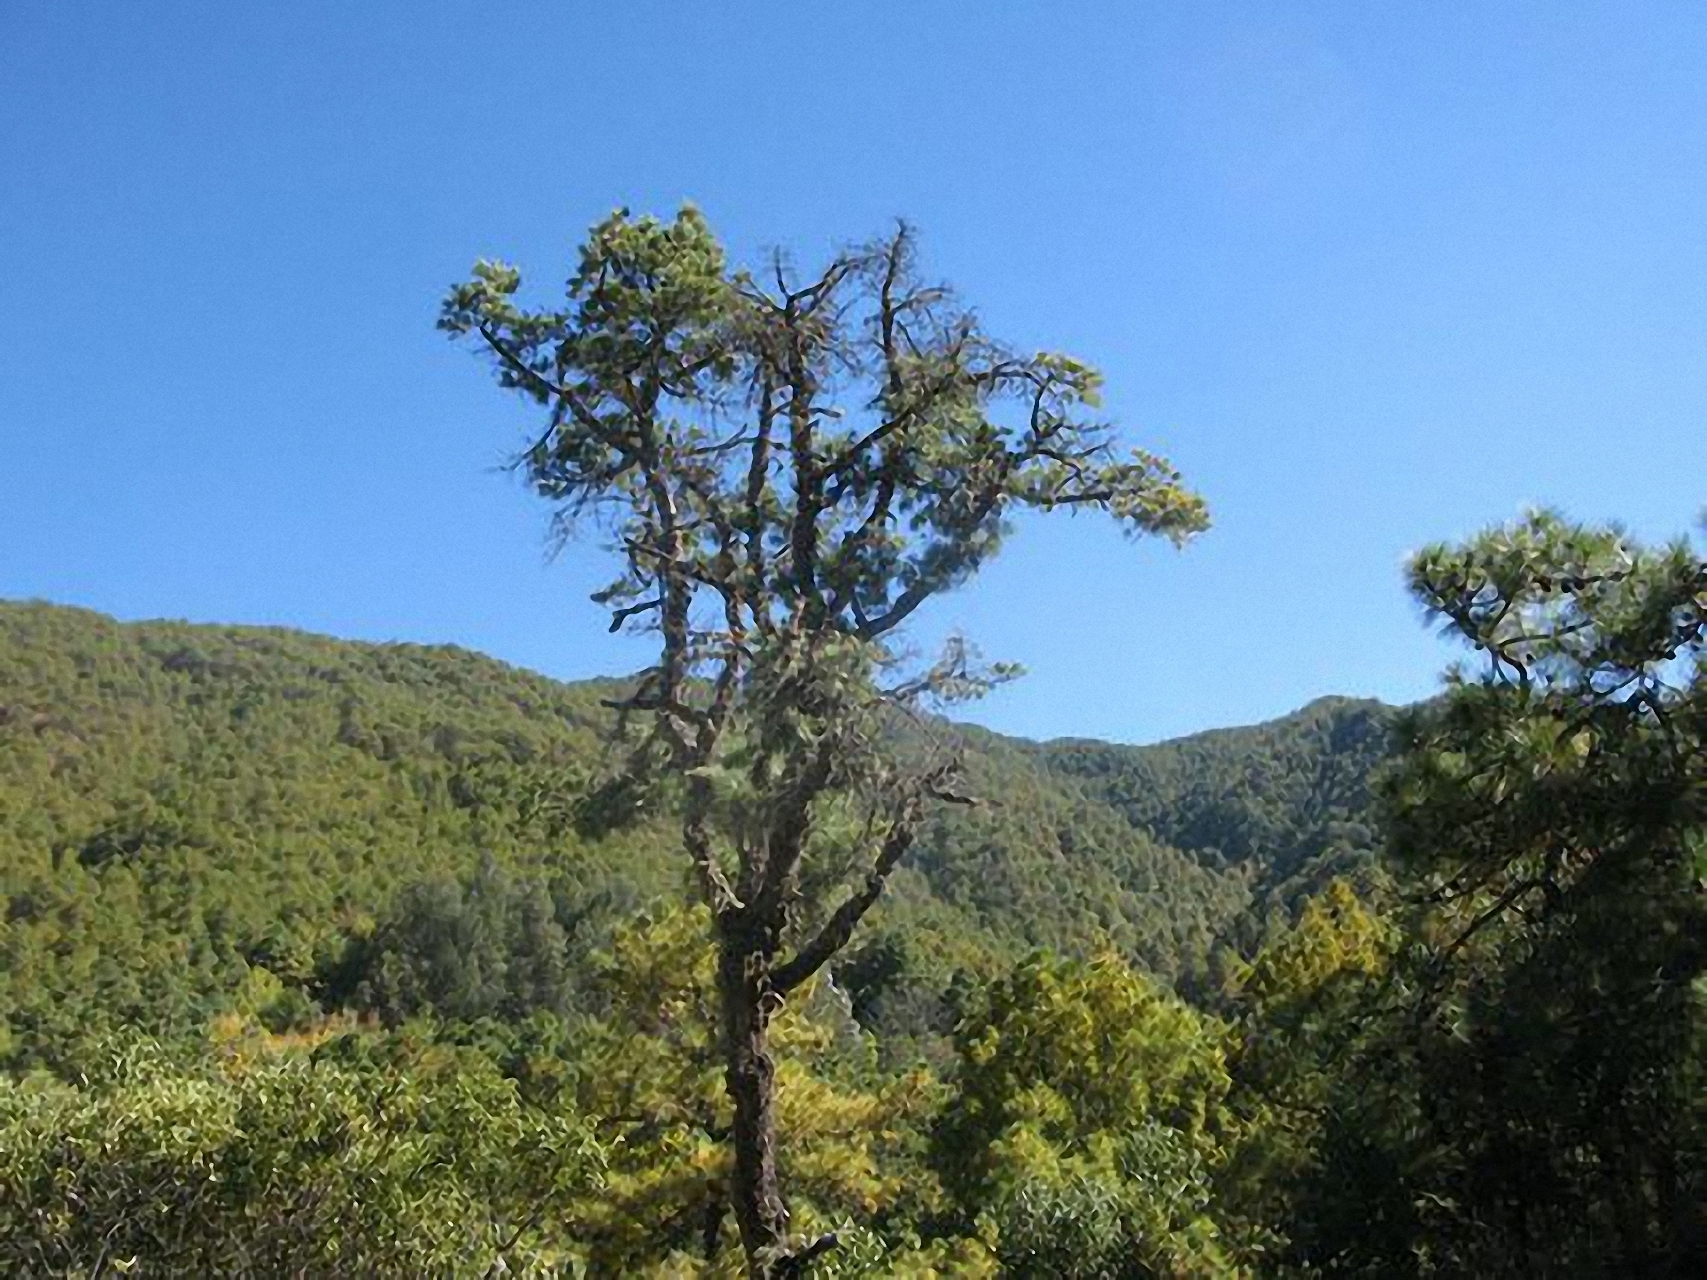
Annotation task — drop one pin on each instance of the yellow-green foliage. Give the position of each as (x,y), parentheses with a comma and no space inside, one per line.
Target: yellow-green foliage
(649,1072)
(1337,938)
(1297,1010)
(413,1018)
(1089,1097)
(180,805)
(282,1164)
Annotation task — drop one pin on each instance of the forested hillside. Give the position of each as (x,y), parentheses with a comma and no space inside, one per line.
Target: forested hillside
(1285,804)
(192,817)
(323,958)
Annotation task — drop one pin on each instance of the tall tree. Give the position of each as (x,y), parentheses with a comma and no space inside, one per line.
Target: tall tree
(1537,1107)
(789,466)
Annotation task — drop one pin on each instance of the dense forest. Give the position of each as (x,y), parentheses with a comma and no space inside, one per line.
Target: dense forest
(331,958)
(194,817)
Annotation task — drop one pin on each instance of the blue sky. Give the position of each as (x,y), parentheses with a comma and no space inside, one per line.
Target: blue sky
(1371,275)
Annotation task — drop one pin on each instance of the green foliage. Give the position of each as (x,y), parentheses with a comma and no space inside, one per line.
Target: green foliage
(650,1070)
(1285,805)
(1301,1011)
(490,948)
(189,814)
(1125,1225)
(378,926)
(1534,1105)
(937,435)
(180,806)
(1493,1064)
(285,1165)
(1089,1103)
(791,466)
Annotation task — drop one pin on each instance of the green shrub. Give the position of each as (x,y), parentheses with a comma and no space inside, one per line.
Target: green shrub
(284,1165)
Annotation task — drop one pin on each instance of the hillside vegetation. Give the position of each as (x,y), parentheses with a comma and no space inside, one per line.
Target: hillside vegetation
(192,817)
(321,958)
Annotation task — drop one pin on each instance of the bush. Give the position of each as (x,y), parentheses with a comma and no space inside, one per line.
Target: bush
(284,1165)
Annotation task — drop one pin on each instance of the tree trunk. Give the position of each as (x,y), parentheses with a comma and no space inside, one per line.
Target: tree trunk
(750,1078)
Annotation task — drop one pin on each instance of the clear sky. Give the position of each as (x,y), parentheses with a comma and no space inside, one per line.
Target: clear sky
(1370,274)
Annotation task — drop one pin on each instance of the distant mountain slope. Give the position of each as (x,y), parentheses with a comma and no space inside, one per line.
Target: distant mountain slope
(191,813)
(1287,800)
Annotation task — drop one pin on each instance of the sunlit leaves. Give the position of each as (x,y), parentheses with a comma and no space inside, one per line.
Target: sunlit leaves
(285,1165)
(649,1071)
(1063,1067)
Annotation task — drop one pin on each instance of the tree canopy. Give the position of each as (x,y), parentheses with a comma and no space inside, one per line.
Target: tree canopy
(789,466)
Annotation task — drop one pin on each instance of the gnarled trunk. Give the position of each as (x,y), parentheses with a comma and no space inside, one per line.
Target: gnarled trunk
(750,1078)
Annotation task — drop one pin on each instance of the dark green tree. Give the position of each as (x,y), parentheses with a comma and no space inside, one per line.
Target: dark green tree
(788,468)
(486,947)
(1536,1107)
